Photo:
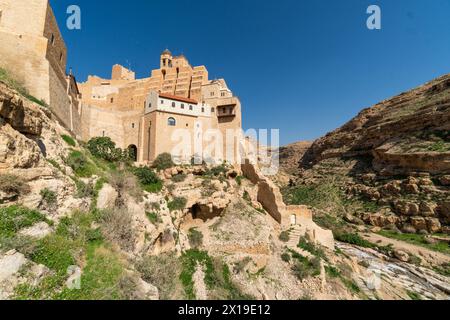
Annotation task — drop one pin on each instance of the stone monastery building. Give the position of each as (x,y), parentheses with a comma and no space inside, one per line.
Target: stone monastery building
(138,114)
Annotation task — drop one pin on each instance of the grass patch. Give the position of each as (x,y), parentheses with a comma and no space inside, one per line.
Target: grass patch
(153,217)
(15,218)
(49,197)
(304,267)
(81,165)
(69,140)
(417,239)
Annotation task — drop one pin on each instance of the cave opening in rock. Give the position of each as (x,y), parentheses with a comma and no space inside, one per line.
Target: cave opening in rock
(204,212)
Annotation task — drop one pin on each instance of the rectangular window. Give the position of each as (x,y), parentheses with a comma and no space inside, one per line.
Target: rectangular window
(162,101)
(112,100)
(132,125)
(190,108)
(150,105)
(212,94)
(182,106)
(203,109)
(60,57)
(52,40)
(212,110)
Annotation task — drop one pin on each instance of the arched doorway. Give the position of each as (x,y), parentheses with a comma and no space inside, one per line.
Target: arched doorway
(132,151)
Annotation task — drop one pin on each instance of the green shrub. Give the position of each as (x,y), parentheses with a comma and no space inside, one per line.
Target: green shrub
(195,238)
(13,184)
(163,161)
(49,197)
(332,271)
(178,203)
(69,140)
(153,217)
(216,171)
(84,190)
(81,165)
(304,267)
(239,180)
(286,257)
(14,218)
(146,175)
(309,246)
(284,236)
(104,148)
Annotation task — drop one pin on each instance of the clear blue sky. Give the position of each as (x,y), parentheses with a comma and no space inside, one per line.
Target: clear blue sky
(305,67)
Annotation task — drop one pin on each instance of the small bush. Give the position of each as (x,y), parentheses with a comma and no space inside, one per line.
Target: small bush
(84,190)
(49,197)
(217,171)
(286,257)
(179,178)
(284,236)
(179,203)
(80,164)
(163,161)
(303,267)
(153,217)
(153,269)
(239,180)
(125,182)
(148,178)
(116,225)
(195,238)
(13,184)
(332,271)
(240,265)
(104,148)
(69,140)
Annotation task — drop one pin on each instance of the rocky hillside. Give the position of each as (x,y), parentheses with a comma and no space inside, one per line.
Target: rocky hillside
(385,174)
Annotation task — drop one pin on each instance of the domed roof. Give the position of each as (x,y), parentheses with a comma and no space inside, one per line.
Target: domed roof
(166,52)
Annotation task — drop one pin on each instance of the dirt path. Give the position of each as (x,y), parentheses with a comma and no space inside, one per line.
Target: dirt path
(429,256)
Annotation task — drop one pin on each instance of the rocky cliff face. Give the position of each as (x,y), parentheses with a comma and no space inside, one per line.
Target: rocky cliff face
(406,134)
(394,157)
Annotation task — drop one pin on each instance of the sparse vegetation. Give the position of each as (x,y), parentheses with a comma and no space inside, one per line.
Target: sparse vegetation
(81,165)
(49,197)
(179,178)
(153,217)
(303,267)
(195,238)
(154,270)
(178,203)
(217,276)
(413,295)
(13,184)
(163,161)
(284,236)
(69,140)
(7,78)
(116,225)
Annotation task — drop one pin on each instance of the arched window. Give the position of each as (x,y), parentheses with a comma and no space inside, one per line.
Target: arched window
(172,122)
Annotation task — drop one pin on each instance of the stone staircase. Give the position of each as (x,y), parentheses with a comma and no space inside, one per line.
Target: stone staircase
(295,233)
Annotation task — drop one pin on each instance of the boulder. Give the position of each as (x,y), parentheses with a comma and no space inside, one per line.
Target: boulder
(434,225)
(419,223)
(39,231)
(107,197)
(401,255)
(427,209)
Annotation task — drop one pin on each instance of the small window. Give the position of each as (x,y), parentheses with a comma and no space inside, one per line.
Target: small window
(103,132)
(52,40)
(212,110)
(187,124)
(60,57)
(223,94)
(173,104)
(212,94)
(203,109)
(172,122)
(150,105)
(112,100)
(190,108)
(182,106)
(162,101)
(132,125)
